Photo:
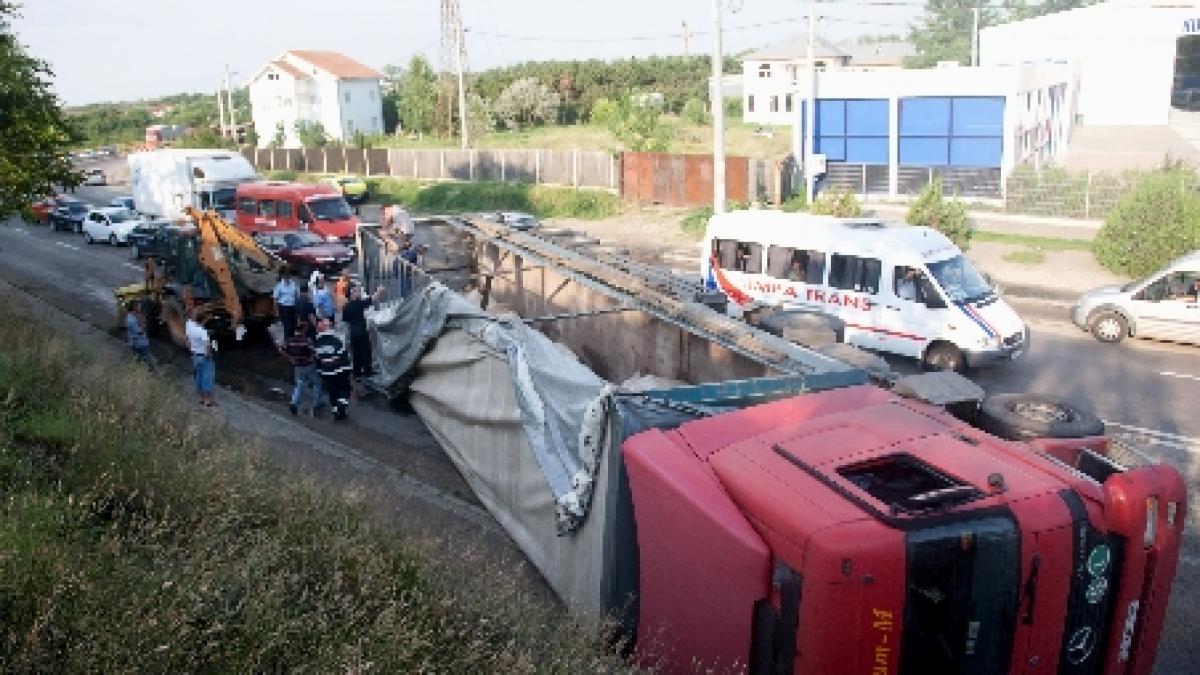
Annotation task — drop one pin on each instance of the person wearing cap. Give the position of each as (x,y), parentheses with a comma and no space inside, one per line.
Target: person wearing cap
(355,316)
(284,296)
(333,365)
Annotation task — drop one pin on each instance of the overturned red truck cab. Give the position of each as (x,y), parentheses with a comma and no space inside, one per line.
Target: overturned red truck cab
(854,531)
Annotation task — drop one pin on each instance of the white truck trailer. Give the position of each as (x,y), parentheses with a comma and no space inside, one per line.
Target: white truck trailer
(164,182)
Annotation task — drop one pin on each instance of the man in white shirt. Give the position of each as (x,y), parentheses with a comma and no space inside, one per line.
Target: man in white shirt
(201,347)
(284,296)
(906,287)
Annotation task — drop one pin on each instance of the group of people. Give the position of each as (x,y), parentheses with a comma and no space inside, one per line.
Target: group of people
(317,353)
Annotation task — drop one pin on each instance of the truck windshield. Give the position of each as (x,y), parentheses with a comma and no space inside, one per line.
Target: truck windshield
(959,280)
(961,604)
(329,208)
(223,199)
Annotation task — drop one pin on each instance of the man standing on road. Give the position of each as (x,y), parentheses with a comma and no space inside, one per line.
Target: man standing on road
(285,301)
(135,334)
(323,301)
(306,313)
(355,316)
(201,347)
(334,368)
(298,350)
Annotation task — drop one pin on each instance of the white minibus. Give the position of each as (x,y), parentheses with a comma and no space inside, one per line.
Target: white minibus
(897,288)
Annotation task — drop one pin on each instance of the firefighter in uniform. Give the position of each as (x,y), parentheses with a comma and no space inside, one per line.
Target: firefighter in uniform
(333,364)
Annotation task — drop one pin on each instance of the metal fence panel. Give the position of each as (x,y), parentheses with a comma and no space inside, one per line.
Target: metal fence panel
(377,162)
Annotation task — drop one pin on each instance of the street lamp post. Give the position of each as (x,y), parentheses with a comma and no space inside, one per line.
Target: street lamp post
(718,113)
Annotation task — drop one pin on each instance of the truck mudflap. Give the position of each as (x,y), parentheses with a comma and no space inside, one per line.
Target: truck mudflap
(1146,506)
(703,568)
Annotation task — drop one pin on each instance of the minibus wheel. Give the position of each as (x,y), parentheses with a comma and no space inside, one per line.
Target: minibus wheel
(945,356)
(1017,417)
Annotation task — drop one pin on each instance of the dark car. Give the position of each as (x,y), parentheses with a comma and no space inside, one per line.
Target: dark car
(68,214)
(307,251)
(148,240)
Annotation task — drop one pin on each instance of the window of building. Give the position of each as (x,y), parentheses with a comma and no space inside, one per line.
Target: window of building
(349,126)
(764,70)
(853,130)
(347,97)
(272,76)
(374,124)
(371,94)
(852,273)
(750,103)
(794,264)
(739,256)
(952,131)
(774,104)
(787,103)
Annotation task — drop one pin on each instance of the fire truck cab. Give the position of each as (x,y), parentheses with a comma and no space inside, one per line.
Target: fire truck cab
(275,206)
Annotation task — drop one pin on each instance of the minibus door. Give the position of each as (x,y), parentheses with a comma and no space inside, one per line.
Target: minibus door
(908,311)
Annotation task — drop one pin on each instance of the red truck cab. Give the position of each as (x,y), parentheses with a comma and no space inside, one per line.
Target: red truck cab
(275,206)
(856,531)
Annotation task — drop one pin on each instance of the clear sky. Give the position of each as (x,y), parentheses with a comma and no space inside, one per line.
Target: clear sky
(113,50)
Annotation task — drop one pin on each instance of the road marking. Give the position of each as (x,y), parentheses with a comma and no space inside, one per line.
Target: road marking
(66,245)
(1182,376)
(1180,442)
(132,266)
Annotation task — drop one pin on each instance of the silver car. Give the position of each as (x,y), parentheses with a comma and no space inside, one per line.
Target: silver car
(1164,305)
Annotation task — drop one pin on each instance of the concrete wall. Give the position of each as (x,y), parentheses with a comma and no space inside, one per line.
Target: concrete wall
(1125,53)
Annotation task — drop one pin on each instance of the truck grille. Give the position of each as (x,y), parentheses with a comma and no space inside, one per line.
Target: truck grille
(1095,571)
(1015,339)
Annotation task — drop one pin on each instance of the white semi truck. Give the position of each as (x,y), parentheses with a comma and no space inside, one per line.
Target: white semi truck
(165,182)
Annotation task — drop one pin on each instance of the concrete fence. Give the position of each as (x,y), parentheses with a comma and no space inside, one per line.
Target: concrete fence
(572,168)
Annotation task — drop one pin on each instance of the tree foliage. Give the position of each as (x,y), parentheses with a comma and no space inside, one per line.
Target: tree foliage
(34,134)
(416,96)
(525,103)
(204,137)
(637,127)
(948,216)
(693,112)
(838,202)
(943,33)
(311,134)
(1159,220)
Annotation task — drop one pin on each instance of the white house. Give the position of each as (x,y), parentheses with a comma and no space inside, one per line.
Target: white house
(315,86)
(771,75)
(1136,59)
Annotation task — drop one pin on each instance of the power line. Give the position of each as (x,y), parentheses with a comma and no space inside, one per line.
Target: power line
(630,38)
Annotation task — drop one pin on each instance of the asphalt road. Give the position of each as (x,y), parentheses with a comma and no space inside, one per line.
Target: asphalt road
(1141,389)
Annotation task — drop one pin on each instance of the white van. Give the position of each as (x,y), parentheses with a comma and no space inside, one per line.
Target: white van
(897,288)
(1164,305)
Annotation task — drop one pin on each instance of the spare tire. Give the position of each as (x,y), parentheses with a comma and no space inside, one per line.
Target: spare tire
(1017,417)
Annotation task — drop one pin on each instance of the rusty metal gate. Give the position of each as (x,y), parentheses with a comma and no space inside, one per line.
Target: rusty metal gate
(679,180)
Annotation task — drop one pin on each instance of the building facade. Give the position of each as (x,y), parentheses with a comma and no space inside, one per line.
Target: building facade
(322,87)
(1135,59)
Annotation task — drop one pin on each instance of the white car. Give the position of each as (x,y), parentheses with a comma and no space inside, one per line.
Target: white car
(109,224)
(94,177)
(517,220)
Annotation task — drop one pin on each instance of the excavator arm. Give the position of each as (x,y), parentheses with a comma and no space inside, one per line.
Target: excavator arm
(216,237)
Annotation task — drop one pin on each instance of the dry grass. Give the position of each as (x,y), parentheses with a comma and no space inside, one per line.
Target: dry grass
(138,536)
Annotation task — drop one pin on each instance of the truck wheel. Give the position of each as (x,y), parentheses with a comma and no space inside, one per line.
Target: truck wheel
(172,316)
(1017,417)
(87,239)
(945,356)
(1109,327)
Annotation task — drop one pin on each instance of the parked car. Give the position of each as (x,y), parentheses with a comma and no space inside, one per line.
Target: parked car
(109,223)
(148,239)
(306,251)
(95,177)
(68,214)
(1164,305)
(40,211)
(517,220)
(124,202)
(354,189)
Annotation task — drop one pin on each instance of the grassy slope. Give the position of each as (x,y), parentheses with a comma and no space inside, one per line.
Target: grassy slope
(139,536)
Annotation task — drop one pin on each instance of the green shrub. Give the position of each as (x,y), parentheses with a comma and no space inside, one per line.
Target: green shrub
(694,221)
(948,216)
(795,203)
(839,202)
(694,112)
(1155,223)
(282,174)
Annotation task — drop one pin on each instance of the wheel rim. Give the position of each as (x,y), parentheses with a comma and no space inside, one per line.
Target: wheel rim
(1042,411)
(943,360)
(112,239)
(1108,328)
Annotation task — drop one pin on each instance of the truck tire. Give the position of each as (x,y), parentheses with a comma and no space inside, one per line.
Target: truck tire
(1016,417)
(945,356)
(175,320)
(1109,327)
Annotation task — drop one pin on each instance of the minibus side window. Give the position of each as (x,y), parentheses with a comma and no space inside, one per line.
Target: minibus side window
(283,209)
(248,206)
(267,208)
(815,269)
(852,273)
(796,264)
(726,252)
(779,262)
(749,258)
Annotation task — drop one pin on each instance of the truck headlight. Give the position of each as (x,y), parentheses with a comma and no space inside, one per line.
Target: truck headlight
(1151,531)
(331,237)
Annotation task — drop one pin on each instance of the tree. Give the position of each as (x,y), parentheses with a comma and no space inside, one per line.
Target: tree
(944,32)
(416,99)
(480,118)
(311,134)
(204,137)
(638,127)
(694,112)
(526,102)
(1019,9)
(932,209)
(34,134)
(280,136)
(250,138)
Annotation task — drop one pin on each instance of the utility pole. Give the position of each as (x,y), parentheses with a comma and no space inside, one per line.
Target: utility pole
(221,107)
(229,100)
(810,112)
(454,47)
(462,90)
(975,37)
(686,35)
(718,113)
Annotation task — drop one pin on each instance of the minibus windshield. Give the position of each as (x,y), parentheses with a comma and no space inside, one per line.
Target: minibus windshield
(959,280)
